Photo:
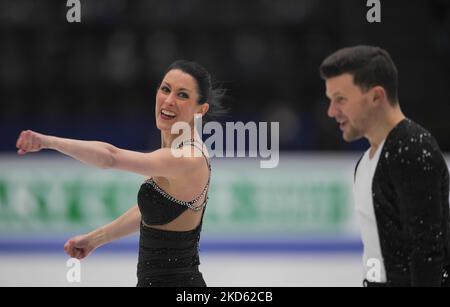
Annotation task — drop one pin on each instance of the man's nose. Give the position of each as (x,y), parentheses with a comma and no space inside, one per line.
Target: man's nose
(331,110)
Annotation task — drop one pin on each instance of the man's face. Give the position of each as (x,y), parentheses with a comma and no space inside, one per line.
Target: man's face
(349,106)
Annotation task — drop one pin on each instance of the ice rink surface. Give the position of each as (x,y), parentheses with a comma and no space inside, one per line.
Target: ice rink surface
(219,270)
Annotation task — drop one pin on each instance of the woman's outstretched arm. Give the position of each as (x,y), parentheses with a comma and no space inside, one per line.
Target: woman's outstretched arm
(90,152)
(81,246)
(161,162)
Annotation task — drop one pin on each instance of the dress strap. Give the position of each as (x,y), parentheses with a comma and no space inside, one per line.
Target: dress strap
(200,146)
(189,204)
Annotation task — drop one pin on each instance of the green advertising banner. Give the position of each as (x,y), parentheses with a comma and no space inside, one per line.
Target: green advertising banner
(305,194)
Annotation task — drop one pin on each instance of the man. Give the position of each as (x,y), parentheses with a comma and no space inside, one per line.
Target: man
(401,185)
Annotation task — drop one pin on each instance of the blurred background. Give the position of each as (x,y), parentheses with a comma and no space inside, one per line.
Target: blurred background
(96,80)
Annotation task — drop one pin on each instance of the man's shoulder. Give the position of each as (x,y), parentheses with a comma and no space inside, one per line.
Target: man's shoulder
(409,128)
(409,136)
(410,144)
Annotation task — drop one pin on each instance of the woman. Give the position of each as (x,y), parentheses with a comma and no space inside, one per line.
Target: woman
(171,201)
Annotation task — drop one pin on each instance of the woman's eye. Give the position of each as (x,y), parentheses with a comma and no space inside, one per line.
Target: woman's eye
(165,89)
(183,95)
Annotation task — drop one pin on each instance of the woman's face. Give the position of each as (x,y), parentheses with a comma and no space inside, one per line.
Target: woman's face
(176,100)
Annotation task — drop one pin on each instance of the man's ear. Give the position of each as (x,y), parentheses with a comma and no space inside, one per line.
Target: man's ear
(378,95)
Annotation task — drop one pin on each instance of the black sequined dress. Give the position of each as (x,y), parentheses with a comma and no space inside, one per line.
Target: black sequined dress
(168,258)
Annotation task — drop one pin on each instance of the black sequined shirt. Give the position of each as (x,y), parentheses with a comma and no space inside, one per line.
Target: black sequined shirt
(411,204)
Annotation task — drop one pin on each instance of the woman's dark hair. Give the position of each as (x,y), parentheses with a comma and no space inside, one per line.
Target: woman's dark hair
(208,92)
(370,66)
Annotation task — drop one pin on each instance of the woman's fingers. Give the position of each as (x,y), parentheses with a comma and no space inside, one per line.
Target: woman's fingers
(70,248)
(23,140)
(82,254)
(19,140)
(67,246)
(28,141)
(79,253)
(74,249)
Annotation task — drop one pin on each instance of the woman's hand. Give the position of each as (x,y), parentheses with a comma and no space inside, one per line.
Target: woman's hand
(30,141)
(80,246)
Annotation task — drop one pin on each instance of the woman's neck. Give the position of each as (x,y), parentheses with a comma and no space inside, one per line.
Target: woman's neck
(168,138)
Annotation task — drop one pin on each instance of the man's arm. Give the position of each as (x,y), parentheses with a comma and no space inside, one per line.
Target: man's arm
(417,178)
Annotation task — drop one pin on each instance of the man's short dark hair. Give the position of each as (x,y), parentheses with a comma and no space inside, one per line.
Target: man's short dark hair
(370,66)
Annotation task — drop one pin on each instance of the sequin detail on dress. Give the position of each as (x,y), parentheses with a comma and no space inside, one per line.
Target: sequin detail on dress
(168,258)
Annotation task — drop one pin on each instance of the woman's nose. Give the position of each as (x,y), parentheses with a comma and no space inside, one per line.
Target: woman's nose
(170,99)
